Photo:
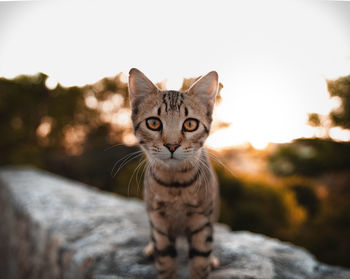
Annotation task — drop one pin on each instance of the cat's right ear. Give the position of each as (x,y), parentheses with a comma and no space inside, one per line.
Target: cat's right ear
(139,86)
(206,88)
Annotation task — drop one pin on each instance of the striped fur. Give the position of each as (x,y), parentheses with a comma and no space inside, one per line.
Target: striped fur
(180,187)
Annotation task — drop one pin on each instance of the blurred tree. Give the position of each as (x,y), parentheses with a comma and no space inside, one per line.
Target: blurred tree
(252,204)
(326,234)
(339,88)
(63,129)
(305,194)
(314,120)
(310,157)
(326,230)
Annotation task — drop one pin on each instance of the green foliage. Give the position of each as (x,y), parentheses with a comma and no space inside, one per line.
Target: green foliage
(327,233)
(306,197)
(340,116)
(290,209)
(327,227)
(255,205)
(341,88)
(310,157)
(314,120)
(54,129)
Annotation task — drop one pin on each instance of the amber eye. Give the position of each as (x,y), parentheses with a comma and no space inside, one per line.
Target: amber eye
(190,125)
(154,124)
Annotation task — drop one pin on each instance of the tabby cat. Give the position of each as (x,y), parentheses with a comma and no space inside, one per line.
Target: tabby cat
(180,187)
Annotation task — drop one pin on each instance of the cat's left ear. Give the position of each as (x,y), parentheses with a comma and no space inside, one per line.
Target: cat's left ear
(140,86)
(206,88)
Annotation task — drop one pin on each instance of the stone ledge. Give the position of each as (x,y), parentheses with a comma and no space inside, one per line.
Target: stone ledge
(52,227)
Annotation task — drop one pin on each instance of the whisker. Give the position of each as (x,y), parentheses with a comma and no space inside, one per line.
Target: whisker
(199,167)
(140,175)
(133,173)
(217,160)
(145,167)
(124,161)
(127,161)
(127,155)
(206,173)
(113,146)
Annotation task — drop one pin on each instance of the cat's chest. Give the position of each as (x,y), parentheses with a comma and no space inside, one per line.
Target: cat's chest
(174,202)
(175,198)
(175,210)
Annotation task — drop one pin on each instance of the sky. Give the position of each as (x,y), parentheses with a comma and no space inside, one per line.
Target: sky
(273,57)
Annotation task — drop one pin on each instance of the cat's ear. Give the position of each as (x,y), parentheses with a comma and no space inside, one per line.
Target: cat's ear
(206,88)
(140,86)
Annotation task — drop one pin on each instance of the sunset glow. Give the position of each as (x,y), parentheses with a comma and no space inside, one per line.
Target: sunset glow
(273,59)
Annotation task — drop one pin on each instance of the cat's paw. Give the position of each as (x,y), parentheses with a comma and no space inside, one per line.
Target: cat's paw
(148,251)
(214,262)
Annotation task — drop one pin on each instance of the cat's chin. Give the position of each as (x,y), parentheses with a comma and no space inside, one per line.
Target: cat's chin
(171,163)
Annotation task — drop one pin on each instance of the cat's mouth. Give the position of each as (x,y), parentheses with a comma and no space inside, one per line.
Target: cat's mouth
(172,159)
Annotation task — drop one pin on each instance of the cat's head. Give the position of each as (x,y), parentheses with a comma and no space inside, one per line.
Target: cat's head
(171,126)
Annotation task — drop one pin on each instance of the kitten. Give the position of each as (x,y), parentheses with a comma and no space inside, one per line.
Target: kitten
(180,187)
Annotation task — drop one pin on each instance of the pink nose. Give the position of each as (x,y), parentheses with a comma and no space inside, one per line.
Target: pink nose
(171,147)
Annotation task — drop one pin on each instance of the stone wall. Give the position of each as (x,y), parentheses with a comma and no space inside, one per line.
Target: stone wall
(52,227)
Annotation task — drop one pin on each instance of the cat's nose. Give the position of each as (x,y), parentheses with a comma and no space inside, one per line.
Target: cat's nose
(171,147)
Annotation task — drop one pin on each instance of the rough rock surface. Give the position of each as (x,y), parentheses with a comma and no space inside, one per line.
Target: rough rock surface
(52,227)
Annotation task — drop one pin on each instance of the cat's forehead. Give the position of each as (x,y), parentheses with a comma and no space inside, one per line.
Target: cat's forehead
(170,104)
(177,101)
(172,100)
(173,104)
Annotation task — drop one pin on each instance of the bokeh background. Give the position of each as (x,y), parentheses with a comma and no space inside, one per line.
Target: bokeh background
(280,141)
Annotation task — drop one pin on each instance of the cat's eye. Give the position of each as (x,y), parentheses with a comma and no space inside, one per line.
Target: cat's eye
(153,123)
(190,125)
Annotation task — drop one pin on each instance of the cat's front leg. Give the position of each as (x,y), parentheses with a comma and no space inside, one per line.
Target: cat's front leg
(200,238)
(163,246)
